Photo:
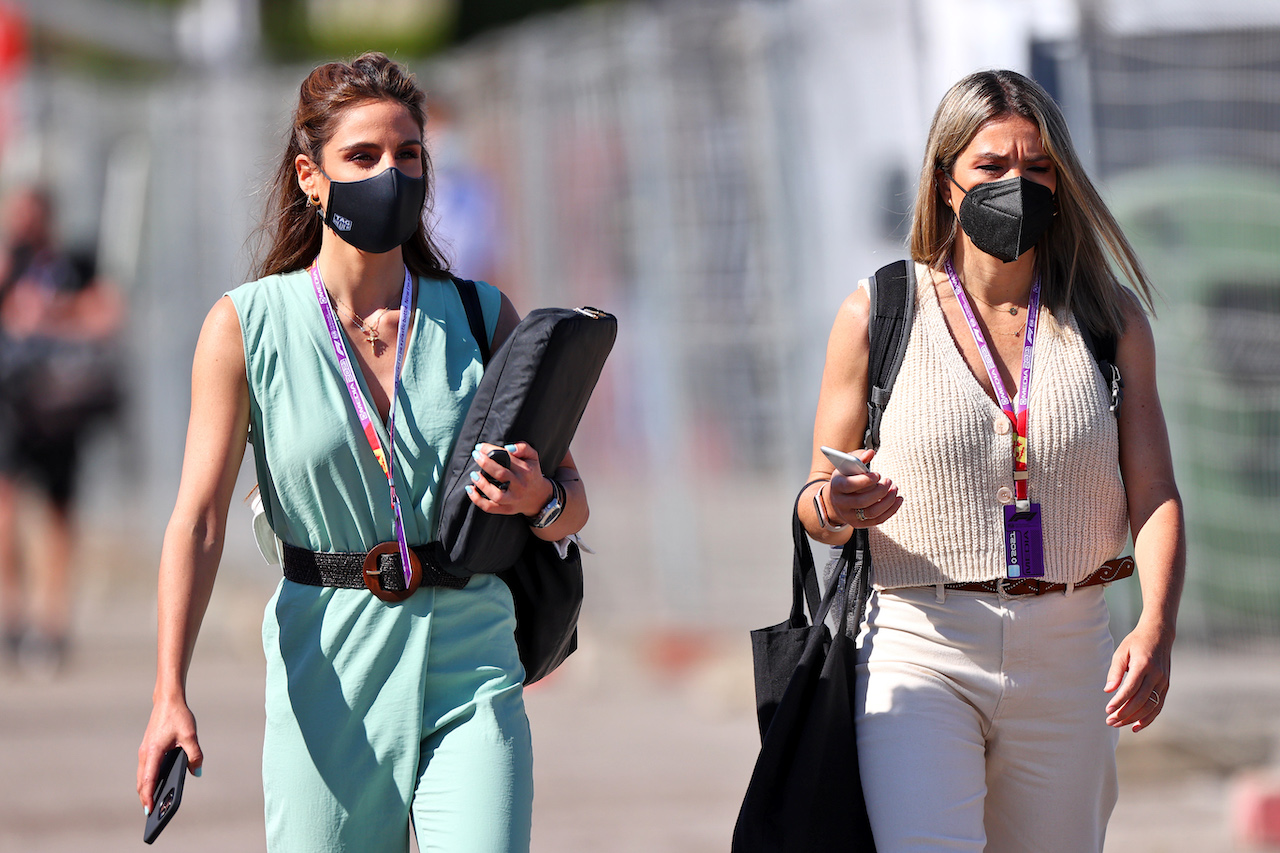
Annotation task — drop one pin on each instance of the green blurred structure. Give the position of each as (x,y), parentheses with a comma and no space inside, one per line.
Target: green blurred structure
(1210,238)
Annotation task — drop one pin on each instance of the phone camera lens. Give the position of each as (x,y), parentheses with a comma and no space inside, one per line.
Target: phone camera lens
(164,806)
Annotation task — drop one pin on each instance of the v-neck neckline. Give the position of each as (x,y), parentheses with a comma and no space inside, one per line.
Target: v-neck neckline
(959,366)
(379,422)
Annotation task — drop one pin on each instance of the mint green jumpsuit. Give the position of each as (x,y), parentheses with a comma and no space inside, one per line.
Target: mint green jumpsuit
(378,715)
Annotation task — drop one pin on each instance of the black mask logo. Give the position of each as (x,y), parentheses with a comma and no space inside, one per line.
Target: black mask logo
(1006,218)
(376,214)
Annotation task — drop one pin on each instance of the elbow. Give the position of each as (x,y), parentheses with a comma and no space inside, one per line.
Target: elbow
(203,532)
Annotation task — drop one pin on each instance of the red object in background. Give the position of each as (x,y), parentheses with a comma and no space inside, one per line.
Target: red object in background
(674,652)
(13,40)
(1256,812)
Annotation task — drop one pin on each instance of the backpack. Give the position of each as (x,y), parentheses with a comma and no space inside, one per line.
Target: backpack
(892,290)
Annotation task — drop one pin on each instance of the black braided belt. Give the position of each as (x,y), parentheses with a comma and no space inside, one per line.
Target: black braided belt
(346,569)
(1111,570)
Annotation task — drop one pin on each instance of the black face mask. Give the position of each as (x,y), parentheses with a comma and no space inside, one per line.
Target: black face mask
(376,214)
(1006,218)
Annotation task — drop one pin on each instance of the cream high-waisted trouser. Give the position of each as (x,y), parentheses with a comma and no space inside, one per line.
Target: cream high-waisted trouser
(981,721)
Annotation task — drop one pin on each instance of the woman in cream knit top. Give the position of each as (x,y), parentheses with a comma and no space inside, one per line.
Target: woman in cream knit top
(1072,448)
(989,689)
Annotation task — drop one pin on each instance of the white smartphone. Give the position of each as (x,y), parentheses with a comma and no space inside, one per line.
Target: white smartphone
(846,463)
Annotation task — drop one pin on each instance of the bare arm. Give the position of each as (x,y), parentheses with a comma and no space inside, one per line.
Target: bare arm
(216,436)
(1141,664)
(841,422)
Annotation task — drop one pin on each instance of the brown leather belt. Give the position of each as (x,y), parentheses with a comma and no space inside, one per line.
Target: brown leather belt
(1111,570)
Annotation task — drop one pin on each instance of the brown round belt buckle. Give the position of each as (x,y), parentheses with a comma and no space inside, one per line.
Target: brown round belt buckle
(373,574)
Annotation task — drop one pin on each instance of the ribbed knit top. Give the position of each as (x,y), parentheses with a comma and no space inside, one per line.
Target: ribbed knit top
(948,446)
(321,484)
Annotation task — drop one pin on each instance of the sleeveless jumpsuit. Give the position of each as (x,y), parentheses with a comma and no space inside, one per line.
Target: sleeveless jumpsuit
(378,714)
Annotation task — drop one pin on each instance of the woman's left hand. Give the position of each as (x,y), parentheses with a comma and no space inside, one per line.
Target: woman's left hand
(521,489)
(1139,677)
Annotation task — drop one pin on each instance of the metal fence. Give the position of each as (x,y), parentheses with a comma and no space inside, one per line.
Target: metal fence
(719,175)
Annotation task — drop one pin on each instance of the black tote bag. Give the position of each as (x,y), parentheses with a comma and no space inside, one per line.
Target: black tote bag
(805,793)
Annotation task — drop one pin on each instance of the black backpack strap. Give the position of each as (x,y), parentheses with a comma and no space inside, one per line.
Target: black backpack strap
(1103,349)
(475,314)
(892,290)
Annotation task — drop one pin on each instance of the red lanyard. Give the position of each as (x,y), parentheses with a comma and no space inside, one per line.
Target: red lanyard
(1015,409)
(357,398)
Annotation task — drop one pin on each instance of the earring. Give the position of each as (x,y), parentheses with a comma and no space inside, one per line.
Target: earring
(314,200)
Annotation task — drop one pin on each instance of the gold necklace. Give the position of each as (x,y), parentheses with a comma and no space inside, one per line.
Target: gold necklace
(370,326)
(1012,309)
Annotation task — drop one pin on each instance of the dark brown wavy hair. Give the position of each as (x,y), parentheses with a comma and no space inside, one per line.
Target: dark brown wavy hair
(1075,256)
(291,230)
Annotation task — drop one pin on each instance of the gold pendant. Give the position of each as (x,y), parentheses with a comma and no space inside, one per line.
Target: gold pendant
(371,335)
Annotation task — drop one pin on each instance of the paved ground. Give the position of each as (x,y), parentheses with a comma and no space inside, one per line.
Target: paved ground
(644,741)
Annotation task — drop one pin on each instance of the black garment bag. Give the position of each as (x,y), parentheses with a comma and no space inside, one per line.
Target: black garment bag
(535,388)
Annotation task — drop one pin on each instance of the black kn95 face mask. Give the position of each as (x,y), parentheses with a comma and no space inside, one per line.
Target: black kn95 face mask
(1006,218)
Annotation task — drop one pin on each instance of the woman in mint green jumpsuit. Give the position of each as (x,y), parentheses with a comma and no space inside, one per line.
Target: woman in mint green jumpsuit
(380,714)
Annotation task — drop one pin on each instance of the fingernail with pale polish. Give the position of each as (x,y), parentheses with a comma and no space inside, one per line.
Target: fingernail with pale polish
(510,448)
(475,477)
(198,771)
(475,454)
(471,490)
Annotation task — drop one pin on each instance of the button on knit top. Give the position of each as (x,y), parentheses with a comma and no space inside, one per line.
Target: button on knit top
(948,447)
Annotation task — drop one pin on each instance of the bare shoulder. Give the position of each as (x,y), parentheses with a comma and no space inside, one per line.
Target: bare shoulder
(508,319)
(853,319)
(1137,343)
(222,318)
(221,345)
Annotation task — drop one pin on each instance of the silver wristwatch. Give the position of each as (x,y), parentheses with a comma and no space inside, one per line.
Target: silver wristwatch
(549,513)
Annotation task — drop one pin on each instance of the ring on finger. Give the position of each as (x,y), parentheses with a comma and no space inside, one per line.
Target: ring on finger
(862,516)
(1155,697)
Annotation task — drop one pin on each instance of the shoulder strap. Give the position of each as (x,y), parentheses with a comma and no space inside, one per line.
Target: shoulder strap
(475,314)
(1103,349)
(892,290)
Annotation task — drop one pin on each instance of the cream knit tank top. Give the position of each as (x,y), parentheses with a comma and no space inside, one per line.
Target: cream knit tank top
(948,447)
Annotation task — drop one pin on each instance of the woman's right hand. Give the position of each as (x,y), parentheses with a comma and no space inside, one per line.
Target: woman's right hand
(172,724)
(863,500)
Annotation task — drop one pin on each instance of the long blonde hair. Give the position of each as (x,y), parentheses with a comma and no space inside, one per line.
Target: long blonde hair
(1074,257)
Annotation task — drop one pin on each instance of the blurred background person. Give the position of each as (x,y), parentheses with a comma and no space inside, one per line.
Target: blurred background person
(56,321)
(465,210)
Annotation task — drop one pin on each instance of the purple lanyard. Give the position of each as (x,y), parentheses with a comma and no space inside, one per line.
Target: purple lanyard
(357,398)
(1015,409)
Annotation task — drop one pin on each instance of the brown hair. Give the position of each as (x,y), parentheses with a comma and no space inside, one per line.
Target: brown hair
(1073,256)
(290,229)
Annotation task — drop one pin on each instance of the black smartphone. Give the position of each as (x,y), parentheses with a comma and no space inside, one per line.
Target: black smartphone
(503,458)
(168,795)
